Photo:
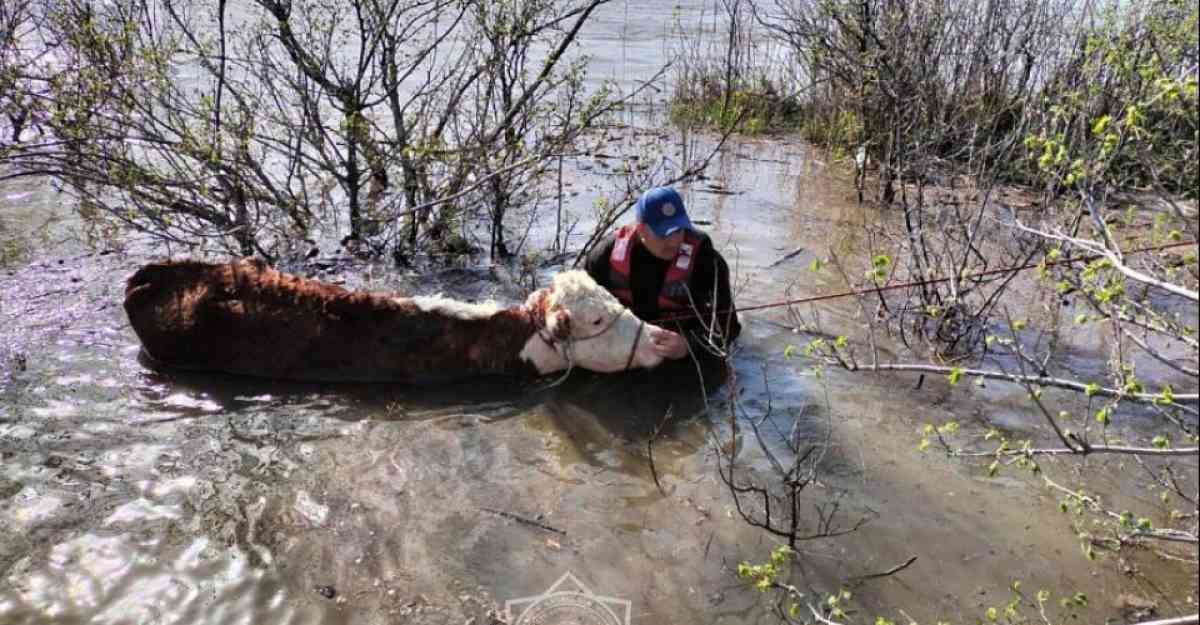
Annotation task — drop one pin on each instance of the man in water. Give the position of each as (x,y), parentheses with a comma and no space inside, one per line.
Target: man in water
(668,273)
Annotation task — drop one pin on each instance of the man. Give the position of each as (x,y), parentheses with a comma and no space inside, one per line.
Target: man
(664,269)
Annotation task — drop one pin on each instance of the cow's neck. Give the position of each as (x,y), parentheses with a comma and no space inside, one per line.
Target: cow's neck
(542,353)
(539,350)
(511,341)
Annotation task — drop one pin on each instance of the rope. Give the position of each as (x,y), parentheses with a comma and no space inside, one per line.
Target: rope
(633,350)
(906,285)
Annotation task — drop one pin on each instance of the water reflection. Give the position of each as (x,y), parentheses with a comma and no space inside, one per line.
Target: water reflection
(145,578)
(180,394)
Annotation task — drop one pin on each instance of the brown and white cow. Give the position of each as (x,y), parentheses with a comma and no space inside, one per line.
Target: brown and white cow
(246,318)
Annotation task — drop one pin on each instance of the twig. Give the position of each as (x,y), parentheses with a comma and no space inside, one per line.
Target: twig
(650,448)
(520,519)
(54,292)
(1159,357)
(891,571)
(1116,260)
(817,615)
(1167,534)
(786,257)
(1089,449)
(1039,380)
(1193,619)
(1037,400)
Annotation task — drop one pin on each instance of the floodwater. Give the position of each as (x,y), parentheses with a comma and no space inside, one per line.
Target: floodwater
(129,496)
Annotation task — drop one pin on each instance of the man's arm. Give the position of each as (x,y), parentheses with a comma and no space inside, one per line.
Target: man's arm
(711,290)
(596,263)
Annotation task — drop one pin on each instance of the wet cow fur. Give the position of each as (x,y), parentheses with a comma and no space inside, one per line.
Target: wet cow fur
(246,318)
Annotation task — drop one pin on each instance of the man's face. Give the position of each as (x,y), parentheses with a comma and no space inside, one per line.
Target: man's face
(660,247)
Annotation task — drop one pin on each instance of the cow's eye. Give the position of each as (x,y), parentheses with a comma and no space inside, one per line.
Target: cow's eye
(598,321)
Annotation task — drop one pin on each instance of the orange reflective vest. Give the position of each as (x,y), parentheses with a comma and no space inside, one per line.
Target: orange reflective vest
(674,293)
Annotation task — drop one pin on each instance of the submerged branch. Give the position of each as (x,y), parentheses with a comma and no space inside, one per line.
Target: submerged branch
(1036,380)
(1082,451)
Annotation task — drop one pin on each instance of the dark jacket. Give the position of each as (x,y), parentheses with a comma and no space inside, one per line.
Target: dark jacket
(709,285)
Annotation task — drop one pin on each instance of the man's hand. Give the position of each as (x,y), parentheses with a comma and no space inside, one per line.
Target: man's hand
(666,343)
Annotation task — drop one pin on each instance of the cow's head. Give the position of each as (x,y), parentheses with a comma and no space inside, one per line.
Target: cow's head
(581,316)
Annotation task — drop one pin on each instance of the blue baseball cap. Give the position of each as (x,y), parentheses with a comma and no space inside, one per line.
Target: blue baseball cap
(662,209)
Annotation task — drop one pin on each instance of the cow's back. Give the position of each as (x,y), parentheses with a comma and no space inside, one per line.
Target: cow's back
(246,318)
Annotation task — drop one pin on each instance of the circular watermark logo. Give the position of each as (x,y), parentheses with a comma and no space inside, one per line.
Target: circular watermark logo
(568,602)
(568,609)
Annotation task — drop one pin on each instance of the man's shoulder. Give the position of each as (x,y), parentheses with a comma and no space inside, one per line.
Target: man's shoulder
(705,245)
(596,263)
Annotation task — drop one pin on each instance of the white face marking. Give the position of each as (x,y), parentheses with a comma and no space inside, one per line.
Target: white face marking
(542,356)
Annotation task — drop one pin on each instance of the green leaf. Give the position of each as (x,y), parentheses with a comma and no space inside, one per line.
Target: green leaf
(1165,397)
(955,374)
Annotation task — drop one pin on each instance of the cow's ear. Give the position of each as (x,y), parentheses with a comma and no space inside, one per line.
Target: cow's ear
(560,324)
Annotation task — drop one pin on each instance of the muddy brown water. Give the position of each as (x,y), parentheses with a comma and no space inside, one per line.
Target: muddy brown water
(131,496)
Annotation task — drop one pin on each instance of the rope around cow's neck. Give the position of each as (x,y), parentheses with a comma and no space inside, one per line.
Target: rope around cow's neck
(633,350)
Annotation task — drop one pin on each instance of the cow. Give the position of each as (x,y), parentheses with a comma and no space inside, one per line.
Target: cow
(249,319)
